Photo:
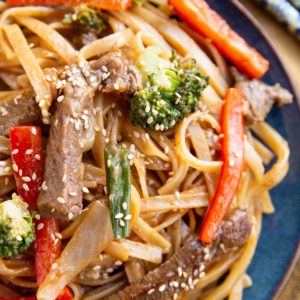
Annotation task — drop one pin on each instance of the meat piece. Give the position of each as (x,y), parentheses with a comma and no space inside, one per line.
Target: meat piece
(260,96)
(183,269)
(19,110)
(72,130)
(82,39)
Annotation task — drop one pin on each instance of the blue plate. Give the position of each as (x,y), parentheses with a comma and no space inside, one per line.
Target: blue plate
(279,247)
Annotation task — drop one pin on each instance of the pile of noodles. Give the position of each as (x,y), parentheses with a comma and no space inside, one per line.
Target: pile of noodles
(174,173)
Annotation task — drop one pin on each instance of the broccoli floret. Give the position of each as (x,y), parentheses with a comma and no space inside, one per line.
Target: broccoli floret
(16,227)
(86,18)
(172,89)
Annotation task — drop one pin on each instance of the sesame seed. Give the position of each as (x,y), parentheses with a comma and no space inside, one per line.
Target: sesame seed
(73,194)
(70,216)
(172,123)
(33,130)
(54,266)
(206,256)
(46,121)
(52,236)
(61,200)
(231,162)
(119,216)
(85,190)
(201,267)
(108,163)
(33,176)
(104,132)
(44,186)
(162,288)
(37,157)
(109,270)
(28,151)
(60,98)
(7,169)
(106,140)
(122,223)
(128,217)
(58,235)
(118,263)
(157,127)
(150,291)
(177,195)
(202,274)
(116,86)
(26,178)
(124,205)
(97,268)
(2,163)
(150,120)
(179,271)
(136,134)
(56,122)
(64,178)
(175,296)
(15,151)
(15,167)
(20,172)
(184,274)
(25,187)
(195,273)
(40,226)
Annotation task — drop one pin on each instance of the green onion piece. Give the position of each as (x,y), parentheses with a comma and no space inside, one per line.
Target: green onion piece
(118,182)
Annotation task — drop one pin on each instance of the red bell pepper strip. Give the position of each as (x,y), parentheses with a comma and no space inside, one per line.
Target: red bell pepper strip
(233,161)
(207,22)
(29,164)
(103,4)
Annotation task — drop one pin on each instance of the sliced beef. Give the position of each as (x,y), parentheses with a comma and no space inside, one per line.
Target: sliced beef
(19,110)
(82,39)
(71,129)
(183,269)
(260,96)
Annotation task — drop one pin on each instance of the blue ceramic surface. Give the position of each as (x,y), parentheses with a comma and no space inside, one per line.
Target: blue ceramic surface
(281,231)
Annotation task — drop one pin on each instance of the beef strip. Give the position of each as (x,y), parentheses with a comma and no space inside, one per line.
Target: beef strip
(19,110)
(182,271)
(260,96)
(71,128)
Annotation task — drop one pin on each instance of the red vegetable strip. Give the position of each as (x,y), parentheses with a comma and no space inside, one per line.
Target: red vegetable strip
(29,159)
(233,162)
(28,162)
(22,298)
(207,22)
(103,4)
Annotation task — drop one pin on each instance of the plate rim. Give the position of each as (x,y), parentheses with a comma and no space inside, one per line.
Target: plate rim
(251,18)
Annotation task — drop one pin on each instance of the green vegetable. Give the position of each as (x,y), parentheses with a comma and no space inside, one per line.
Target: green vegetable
(16,227)
(86,18)
(118,182)
(172,89)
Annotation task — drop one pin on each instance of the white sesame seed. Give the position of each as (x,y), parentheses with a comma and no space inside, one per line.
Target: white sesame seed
(73,194)
(116,86)
(109,270)
(25,187)
(104,132)
(20,172)
(26,178)
(179,271)
(44,186)
(231,162)
(58,235)
(56,122)
(175,296)
(150,291)
(33,130)
(60,98)
(172,123)
(2,163)
(136,134)
(70,216)
(15,167)
(85,190)
(61,200)
(124,205)
(206,256)
(37,217)
(118,263)
(128,217)
(201,267)
(52,236)
(64,178)
(202,274)
(37,157)
(40,226)
(162,288)
(7,169)
(33,176)
(108,163)
(119,216)
(28,151)
(122,223)
(157,127)
(184,274)
(106,140)
(54,266)
(15,151)
(150,120)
